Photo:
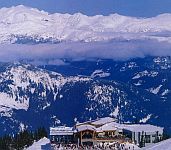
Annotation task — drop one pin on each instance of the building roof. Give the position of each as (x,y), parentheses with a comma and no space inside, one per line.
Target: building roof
(61,130)
(132,127)
(85,127)
(105,124)
(102,121)
(142,127)
(99,121)
(106,127)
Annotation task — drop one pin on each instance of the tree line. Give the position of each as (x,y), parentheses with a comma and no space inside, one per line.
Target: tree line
(21,140)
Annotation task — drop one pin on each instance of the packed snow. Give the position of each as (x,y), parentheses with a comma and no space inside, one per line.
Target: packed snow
(163,145)
(42,144)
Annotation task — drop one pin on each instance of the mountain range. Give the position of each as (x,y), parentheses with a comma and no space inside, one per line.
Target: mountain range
(21,24)
(134,90)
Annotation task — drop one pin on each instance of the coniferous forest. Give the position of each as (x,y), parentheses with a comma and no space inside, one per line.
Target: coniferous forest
(21,140)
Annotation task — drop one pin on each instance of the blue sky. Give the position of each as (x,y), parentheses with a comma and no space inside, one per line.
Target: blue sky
(138,8)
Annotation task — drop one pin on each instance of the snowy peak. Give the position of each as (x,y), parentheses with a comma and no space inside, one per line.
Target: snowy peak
(20,14)
(22,22)
(19,81)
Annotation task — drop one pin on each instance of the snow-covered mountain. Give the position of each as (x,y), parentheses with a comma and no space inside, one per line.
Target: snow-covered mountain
(20,24)
(149,74)
(31,97)
(26,90)
(135,90)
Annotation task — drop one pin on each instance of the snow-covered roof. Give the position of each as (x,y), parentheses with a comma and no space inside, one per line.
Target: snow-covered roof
(106,127)
(61,130)
(102,121)
(85,127)
(142,127)
(114,125)
(163,145)
(99,121)
(135,127)
(108,124)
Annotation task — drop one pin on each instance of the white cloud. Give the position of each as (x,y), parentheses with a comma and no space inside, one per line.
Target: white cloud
(117,50)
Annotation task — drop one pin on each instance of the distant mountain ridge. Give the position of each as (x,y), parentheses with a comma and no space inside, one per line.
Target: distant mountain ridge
(20,24)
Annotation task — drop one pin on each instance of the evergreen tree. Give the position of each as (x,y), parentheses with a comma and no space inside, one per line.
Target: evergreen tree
(166,136)
(40,133)
(22,139)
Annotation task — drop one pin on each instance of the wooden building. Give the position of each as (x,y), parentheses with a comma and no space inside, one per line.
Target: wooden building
(98,131)
(106,130)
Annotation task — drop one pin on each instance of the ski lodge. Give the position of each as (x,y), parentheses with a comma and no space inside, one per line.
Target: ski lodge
(106,130)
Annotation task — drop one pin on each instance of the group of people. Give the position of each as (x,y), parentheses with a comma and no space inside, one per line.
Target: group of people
(113,146)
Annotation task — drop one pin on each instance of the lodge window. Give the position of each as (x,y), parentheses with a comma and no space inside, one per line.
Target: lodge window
(87,135)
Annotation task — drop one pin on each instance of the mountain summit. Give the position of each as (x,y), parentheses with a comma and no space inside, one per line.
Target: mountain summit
(23,22)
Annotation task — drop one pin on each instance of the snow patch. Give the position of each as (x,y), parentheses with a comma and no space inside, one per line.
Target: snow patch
(163,145)
(101,94)
(165,92)
(10,102)
(145,73)
(144,120)
(115,112)
(155,90)
(99,73)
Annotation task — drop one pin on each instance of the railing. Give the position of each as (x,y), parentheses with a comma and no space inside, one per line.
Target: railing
(88,140)
(105,139)
(110,137)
